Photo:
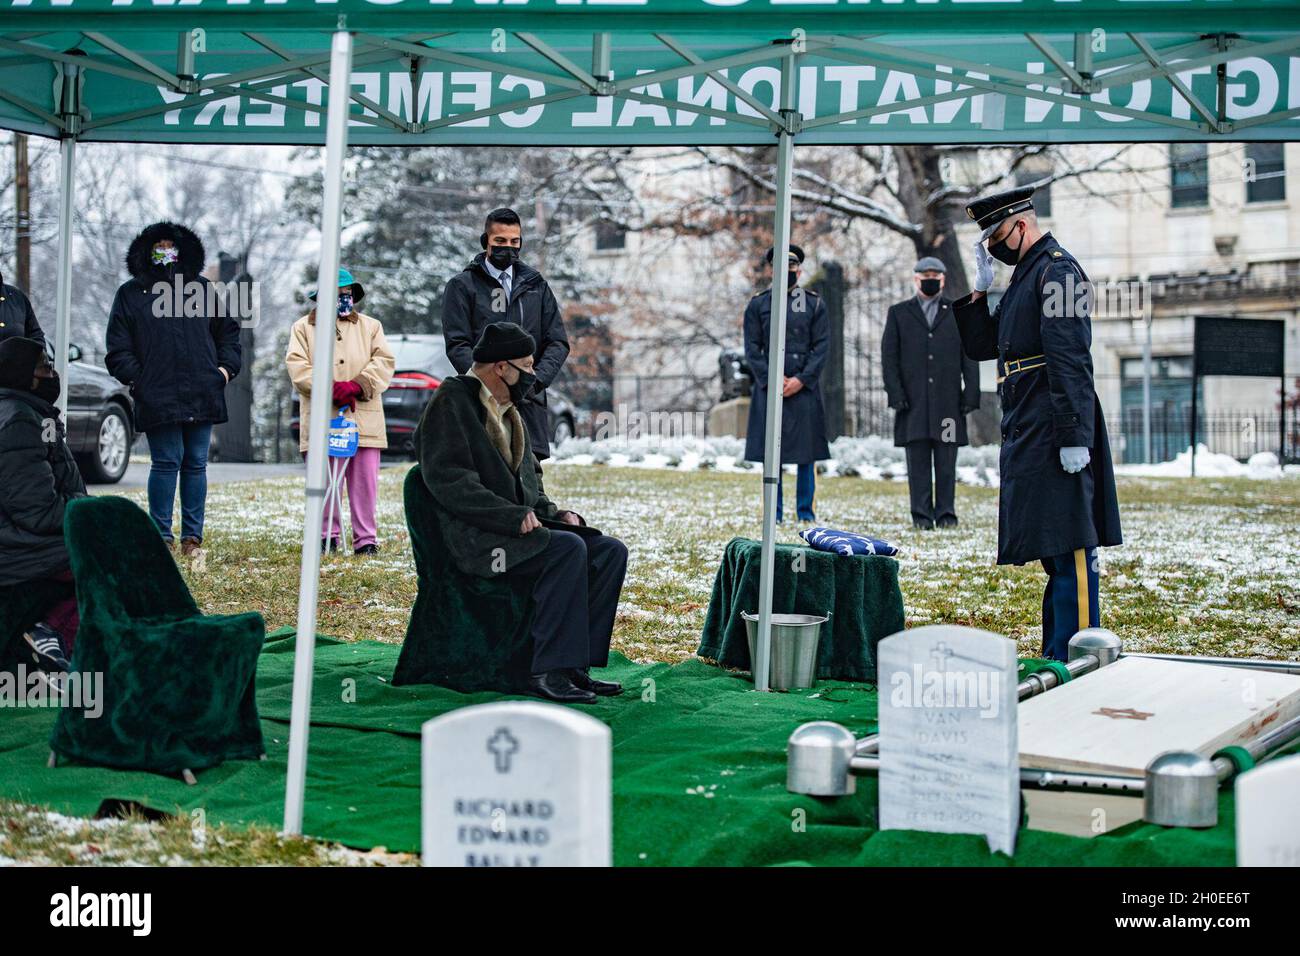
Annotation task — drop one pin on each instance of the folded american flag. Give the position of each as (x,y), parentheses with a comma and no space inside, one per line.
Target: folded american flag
(846,542)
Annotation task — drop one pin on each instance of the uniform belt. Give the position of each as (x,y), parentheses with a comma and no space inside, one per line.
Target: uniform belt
(1021,365)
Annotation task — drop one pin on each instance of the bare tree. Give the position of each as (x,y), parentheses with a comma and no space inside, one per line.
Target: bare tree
(908,190)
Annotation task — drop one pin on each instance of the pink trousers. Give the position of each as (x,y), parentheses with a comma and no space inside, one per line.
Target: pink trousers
(361,475)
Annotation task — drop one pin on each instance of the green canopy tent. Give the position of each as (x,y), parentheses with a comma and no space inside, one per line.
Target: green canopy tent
(631,72)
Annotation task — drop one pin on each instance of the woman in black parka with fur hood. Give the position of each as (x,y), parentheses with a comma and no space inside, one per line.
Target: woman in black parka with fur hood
(171,343)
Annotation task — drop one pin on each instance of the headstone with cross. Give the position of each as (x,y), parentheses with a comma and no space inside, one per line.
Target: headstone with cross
(948,754)
(518,783)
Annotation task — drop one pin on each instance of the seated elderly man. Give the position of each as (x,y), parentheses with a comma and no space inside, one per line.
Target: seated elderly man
(476,460)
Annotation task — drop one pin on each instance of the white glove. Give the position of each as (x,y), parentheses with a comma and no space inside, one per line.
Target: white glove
(1074,459)
(983,267)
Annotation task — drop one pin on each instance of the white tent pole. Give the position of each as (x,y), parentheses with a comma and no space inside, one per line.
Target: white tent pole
(63,294)
(322,383)
(775,373)
(68,106)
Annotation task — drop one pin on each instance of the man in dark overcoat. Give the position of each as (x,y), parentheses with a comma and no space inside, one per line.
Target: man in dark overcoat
(497,286)
(477,461)
(1057,501)
(932,386)
(803,416)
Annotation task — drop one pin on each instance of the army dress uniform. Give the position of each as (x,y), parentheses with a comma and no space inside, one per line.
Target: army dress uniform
(803,415)
(1049,402)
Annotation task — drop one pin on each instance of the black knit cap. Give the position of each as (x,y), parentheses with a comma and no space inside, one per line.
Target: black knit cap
(502,341)
(18,359)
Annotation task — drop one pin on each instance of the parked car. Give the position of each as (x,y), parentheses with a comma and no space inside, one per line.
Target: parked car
(101,426)
(421,364)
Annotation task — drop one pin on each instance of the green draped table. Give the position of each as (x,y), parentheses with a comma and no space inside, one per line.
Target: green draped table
(860,592)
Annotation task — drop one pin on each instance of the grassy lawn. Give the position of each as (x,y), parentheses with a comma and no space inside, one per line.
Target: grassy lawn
(1210,566)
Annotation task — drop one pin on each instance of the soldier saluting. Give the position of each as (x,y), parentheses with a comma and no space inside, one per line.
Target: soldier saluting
(1056,501)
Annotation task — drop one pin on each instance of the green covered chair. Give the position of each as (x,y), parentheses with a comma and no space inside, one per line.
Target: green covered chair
(178,685)
(466,632)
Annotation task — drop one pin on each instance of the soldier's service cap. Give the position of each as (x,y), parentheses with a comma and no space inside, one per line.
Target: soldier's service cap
(795,253)
(990,210)
(930,264)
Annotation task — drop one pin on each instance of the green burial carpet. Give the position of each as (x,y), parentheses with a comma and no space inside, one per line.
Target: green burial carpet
(699,773)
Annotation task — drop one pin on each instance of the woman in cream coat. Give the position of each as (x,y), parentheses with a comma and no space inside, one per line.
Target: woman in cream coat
(363,367)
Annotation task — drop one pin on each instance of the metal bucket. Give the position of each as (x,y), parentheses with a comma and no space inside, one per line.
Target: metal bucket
(794,648)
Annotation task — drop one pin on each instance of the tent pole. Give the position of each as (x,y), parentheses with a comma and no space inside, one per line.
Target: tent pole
(63,294)
(775,372)
(68,106)
(322,382)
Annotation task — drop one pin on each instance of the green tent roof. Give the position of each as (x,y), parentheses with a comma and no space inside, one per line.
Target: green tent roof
(657,71)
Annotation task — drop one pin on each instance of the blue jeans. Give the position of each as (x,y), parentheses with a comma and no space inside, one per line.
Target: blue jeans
(182,450)
(805,490)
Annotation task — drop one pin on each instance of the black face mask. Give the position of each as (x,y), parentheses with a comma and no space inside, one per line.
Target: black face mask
(791,280)
(47,389)
(503,257)
(930,286)
(522,386)
(1003,252)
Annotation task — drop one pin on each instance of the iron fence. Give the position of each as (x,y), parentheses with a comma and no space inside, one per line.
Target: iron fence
(1239,433)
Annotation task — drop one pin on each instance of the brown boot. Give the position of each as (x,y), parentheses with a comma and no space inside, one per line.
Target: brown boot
(189,546)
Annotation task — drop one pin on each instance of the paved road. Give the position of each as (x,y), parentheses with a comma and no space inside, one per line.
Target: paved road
(137,473)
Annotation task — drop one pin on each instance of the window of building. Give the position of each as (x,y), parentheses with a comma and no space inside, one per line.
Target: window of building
(1043,194)
(610,236)
(1265,172)
(1189,175)
(1171,404)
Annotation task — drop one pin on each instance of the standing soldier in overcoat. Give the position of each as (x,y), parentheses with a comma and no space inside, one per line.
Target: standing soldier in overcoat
(803,416)
(1056,498)
(932,386)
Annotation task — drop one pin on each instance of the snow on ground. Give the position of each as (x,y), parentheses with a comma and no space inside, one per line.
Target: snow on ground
(877,459)
(33,836)
(873,457)
(1262,465)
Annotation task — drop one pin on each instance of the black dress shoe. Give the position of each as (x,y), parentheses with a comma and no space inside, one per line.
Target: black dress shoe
(601,688)
(946,523)
(556,685)
(923,525)
(366,550)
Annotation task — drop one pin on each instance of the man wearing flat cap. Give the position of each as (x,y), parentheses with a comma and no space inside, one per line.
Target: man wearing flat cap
(1056,497)
(477,461)
(803,416)
(932,386)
